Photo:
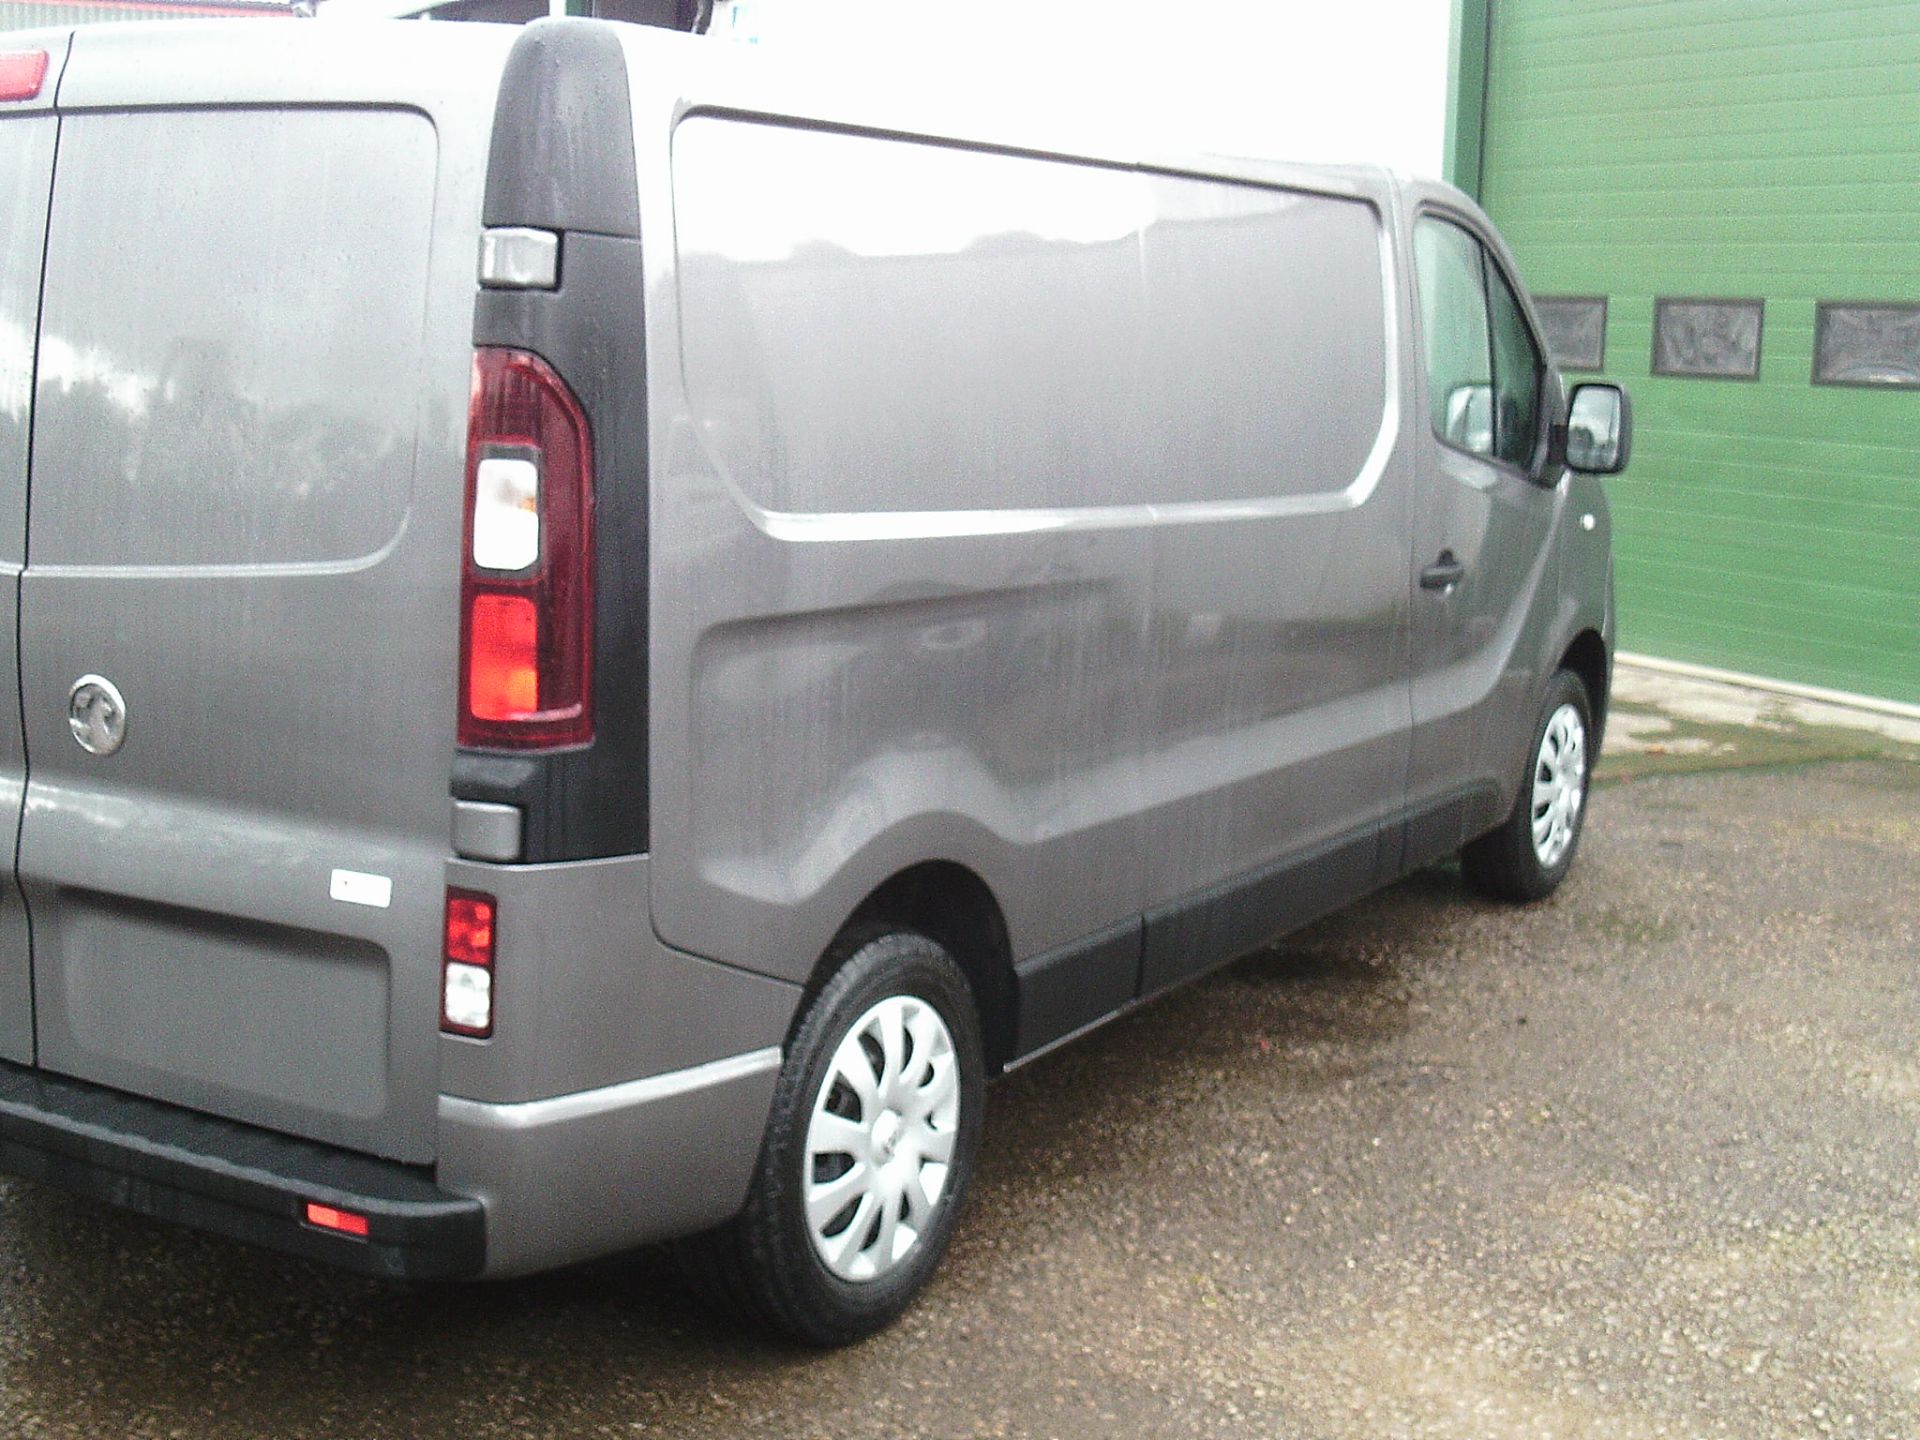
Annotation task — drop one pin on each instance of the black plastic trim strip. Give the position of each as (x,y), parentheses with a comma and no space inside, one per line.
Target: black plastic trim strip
(1199,932)
(1435,830)
(1077,987)
(1073,987)
(562,153)
(563,159)
(234,1180)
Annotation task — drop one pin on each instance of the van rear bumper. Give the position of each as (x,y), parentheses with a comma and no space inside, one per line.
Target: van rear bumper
(234,1180)
(597,1171)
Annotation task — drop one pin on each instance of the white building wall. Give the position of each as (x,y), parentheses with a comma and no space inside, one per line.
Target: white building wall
(1341,80)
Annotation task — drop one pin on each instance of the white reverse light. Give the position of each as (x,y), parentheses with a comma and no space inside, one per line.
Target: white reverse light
(467,1001)
(506,513)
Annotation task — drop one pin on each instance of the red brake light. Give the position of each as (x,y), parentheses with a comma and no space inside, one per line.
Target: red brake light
(503,657)
(22,73)
(466,971)
(526,633)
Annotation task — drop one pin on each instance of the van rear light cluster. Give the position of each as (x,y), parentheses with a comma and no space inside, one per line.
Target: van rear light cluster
(526,601)
(22,73)
(466,971)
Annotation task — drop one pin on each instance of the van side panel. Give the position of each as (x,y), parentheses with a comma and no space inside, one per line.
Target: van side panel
(973,545)
(888,626)
(26,175)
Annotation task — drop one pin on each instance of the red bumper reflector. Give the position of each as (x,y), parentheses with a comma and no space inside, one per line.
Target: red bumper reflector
(22,73)
(343,1222)
(470,928)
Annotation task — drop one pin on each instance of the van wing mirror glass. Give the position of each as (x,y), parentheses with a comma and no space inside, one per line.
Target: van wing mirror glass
(1470,418)
(1599,429)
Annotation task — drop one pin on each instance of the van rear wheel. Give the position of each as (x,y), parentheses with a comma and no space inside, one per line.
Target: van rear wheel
(1530,853)
(870,1146)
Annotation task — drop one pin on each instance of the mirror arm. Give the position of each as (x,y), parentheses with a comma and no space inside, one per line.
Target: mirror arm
(1556,446)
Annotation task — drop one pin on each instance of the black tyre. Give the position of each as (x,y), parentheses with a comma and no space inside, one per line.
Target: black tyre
(1530,852)
(870,1147)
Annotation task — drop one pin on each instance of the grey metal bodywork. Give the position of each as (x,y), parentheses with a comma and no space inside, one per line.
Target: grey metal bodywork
(627,1102)
(1042,508)
(1118,687)
(1112,688)
(246,488)
(1536,578)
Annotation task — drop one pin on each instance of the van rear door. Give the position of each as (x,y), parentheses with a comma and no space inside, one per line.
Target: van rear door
(238,617)
(26,174)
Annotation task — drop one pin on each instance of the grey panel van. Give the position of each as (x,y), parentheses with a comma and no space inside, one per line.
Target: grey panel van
(605,631)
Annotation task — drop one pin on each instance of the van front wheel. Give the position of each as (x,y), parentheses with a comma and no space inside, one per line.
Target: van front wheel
(869,1149)
(1530,853)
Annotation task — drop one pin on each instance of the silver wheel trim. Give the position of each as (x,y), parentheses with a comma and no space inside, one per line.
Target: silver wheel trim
(1559,785)
(880,1140)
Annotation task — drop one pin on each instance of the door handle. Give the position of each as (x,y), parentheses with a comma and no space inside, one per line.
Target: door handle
(1443,574)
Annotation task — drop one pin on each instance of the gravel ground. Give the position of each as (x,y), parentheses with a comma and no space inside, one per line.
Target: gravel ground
(1640,1161)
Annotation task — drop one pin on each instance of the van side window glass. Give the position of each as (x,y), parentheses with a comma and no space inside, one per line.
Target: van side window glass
(272,403)
(26,160)
(1516,377)
(1453,314)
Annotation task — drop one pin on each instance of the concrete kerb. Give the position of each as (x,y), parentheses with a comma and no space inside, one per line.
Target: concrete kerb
(1671,719)
(1652,694)
(1721,697)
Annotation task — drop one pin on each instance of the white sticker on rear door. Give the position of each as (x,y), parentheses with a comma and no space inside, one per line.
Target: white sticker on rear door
(359,888)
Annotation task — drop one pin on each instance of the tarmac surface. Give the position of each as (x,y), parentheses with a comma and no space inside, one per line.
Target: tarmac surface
(1643,1160)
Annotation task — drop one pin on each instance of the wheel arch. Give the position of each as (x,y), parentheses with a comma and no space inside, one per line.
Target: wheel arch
(1589,658)
(950,904)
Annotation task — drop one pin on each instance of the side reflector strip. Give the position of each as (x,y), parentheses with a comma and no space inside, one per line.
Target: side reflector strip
(22,73)
(341,1222)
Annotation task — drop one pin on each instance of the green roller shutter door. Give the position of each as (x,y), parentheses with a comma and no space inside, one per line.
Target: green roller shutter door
(1734,149)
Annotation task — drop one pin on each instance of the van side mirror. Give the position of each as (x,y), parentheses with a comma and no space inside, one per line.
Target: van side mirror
(1599,429)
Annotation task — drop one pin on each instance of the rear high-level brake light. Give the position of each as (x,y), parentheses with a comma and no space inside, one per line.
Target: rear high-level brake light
(466,977)
(22,73)
(526,603)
